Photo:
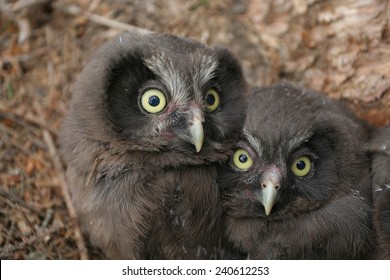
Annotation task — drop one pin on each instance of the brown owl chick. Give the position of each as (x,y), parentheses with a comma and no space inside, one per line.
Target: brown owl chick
(380,172)
(298,184)
(151,116)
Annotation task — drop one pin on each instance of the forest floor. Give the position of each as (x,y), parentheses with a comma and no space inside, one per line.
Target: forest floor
(341,48)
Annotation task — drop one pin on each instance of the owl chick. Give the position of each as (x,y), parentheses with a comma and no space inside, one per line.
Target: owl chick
(150,118)
(380,171)
(298,184)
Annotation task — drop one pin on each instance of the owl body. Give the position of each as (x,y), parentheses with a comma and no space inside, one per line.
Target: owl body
(380,172)
(298,184)
(186,201)
(151,116)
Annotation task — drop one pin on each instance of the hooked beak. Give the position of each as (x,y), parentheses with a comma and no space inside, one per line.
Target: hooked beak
(268,198)
(270,183)
(195,129)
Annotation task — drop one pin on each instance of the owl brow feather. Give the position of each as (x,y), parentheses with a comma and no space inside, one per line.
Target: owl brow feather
(163,68)
(253,141)
(204,71)
(298,140)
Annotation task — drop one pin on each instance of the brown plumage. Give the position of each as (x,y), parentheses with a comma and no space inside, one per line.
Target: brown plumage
(380,171)
(298,184)
(150,117)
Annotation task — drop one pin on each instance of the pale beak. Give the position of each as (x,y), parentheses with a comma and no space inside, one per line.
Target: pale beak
(195,128)
(268,198)
(270,183)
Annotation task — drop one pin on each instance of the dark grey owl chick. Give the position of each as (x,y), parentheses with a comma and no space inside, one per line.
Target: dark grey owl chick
(150,117)
(298,184)
(380,171)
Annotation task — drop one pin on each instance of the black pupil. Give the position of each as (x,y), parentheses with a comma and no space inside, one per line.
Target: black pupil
(301,165)
(243,158)
(210,99)
(154,100)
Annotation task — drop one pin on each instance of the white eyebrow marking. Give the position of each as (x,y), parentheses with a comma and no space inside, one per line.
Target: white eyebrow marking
(253,141)
(203,72)
(163,68)
(299,139)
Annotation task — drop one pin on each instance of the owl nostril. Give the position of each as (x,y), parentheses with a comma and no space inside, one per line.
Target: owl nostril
(264,186)
(190,123)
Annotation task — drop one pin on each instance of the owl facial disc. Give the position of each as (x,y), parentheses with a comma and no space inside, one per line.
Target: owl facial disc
(270,183)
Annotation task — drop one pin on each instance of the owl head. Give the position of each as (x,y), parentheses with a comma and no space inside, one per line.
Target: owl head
(161,95)
(298,150)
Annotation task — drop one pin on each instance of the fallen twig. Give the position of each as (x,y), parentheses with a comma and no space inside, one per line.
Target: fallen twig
(26,121)
(24,4)
(65,190)
(15,199)
(40,241)
(8,251)
(76,11)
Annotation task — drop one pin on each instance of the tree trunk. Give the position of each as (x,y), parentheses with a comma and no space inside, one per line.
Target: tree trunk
(339,47)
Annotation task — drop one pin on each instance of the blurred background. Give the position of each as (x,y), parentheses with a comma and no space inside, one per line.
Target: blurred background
(339,47)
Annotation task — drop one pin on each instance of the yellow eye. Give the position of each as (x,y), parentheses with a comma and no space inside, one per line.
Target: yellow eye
(212,100)
(301,166)
(242,160)
(153,101)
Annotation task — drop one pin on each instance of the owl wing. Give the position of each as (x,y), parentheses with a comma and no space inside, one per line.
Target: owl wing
(380,160)
(114,218)
(380,173)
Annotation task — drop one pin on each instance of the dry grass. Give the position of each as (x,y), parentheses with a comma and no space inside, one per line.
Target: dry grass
(44,44)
